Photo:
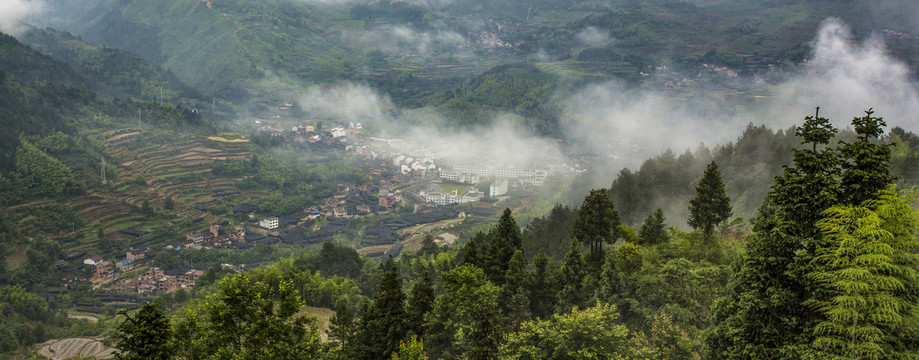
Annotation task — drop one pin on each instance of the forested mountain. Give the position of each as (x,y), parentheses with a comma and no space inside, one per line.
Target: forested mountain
(116,73)
(43,96)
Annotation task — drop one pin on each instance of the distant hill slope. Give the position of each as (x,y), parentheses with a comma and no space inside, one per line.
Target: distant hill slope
(187,37)
(227,47)
(116,72)
(24,64)
(40,96)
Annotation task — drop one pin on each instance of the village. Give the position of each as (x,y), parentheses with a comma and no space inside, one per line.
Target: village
(410,186)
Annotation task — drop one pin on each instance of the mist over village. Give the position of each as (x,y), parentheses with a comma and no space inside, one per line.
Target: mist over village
(459,179)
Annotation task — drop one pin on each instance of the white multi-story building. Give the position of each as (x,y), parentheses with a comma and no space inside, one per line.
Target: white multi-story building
(269,223)
(499,187)
(471,175)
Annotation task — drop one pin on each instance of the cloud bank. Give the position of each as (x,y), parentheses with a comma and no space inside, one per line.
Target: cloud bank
(393,38)
(13,14)
(843,77)
(627,125)
(593,37)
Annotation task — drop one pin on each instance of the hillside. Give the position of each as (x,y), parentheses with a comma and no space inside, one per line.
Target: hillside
(223,47)
(115,72)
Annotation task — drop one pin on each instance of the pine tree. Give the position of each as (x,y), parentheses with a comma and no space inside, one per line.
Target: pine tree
(654,231)
(597,224)
(383,326)
(342,327)
(420,303)
(514,298)
(542,289)
(572,277)
(711,206)
(147,335)
(867,171)
(610,279)
(505,240)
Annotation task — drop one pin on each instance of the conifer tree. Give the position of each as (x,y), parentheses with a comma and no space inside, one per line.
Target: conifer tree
(867,170)
(420,303)
(505,240)
(542,289)
(411,350)
(610,279)
(870,274)
(464,321)
(428,246)
(342,327)
(654,231)
(785,265)
(514,298)
(572,277)
(383,326)
(597,224)
(711,206)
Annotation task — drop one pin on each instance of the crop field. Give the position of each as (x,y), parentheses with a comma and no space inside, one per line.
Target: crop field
(76,348)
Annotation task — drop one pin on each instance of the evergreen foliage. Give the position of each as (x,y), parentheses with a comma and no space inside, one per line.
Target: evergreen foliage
(572,293)
(147,335)
(711,206)
(653,230)
(465,318)
(542,288)
(867,170)
(383,325)
(812,246)
(515,294)
(597,224)
(505,239)
(871,278)
(342,327)
(420,304)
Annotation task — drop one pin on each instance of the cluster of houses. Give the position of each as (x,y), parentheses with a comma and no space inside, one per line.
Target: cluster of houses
(104,269)
(155,281)
(408,164)
(217,235)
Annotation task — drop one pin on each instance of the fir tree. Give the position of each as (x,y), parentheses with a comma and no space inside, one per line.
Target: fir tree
(654,231)
(572,277)
(711,206)
(420,303)
(542,289)
(867,170)
(505,240)
(342,327)
(597,224)
(514,297)
(383,326)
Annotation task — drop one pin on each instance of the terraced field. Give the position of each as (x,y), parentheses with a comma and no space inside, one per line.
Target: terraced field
(76,348)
